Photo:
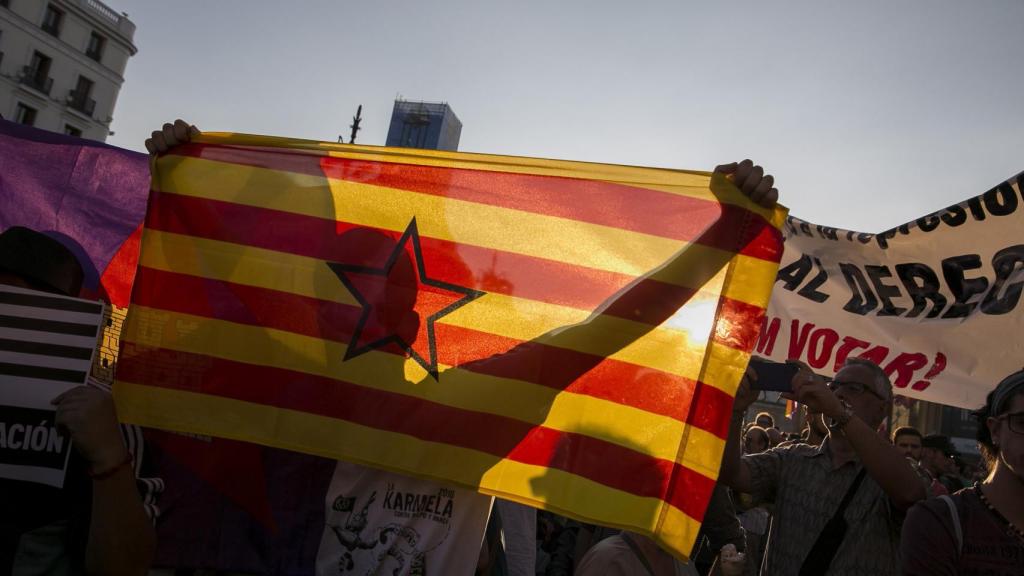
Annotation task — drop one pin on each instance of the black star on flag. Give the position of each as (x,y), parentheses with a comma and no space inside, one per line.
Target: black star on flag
(400,302)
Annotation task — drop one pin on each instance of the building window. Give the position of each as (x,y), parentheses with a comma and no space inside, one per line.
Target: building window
(72,131)
(37,74)
(52,20)
(414,130)
(95,48)
(79,98)
(25,115)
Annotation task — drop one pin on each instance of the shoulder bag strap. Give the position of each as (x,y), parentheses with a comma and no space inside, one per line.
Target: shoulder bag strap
(957,529)
(850,493)
(828,541)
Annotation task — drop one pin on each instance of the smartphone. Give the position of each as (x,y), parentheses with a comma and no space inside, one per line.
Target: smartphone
(773,376)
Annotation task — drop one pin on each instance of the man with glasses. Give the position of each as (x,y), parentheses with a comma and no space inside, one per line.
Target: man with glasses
(838,506)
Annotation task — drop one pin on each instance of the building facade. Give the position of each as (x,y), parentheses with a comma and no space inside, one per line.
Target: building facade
(62,64)
(431,125)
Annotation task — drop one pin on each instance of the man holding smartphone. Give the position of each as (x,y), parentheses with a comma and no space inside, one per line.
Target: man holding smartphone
(838,506)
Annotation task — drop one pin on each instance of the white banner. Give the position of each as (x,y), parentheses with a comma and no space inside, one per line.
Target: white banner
(935,302)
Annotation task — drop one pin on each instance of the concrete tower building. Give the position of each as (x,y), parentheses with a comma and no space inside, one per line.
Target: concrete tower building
(431,125)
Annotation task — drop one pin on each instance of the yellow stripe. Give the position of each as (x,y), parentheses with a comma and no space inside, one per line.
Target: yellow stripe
(551,489)
(677,532)
(676,346)
(241,264)
(723,366)
(659,436)
(536,235)
(694,184)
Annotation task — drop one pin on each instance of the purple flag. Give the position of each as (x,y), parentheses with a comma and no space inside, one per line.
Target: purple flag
(88,195)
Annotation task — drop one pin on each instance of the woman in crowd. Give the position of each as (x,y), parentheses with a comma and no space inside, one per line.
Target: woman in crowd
(979,530)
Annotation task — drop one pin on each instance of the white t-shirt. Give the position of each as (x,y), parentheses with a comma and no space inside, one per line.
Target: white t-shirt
(382,523)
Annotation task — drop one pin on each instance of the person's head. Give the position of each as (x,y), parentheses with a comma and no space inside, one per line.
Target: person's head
(29,259)
(1001,425)
(774,437)
(937,454)
(908,440)
(755,440)
(864,386)
(764,420)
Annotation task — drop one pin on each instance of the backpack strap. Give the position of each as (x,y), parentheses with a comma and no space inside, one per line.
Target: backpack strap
(957,529)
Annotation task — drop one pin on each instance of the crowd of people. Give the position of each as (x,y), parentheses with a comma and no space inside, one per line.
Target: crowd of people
(838,499)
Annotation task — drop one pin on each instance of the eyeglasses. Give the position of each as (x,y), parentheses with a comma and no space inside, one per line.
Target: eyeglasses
(853,388)
(1015,420)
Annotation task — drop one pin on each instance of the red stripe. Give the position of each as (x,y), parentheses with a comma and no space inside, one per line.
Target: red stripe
(472,350)
(632,208)
(483,269)
(574,452)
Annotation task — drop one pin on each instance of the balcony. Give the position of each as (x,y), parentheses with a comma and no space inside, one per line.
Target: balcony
(81,102)
(33,79)
(104,13)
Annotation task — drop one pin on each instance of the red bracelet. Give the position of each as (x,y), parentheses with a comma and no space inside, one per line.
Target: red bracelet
(114,470)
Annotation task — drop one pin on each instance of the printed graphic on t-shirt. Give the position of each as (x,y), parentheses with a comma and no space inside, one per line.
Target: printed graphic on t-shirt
(382,523)
(391,543)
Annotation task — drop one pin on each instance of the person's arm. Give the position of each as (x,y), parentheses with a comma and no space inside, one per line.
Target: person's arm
(886,464)
(720,522)
(121,538)
(883,461)
(649,301)
(697,266)
(722,527)
(735,473)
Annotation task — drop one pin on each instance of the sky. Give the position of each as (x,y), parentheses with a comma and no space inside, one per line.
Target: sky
(868,113)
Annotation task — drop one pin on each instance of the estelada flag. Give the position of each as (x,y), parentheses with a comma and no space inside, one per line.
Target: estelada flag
(562,334)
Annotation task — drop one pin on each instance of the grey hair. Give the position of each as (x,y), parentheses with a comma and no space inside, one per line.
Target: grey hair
(881,379)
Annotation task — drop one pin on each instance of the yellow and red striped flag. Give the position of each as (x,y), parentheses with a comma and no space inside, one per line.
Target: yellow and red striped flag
(562,334)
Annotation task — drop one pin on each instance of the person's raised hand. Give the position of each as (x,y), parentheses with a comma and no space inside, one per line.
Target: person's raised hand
(811,390)
(171,135)
(752,181)
(88,415)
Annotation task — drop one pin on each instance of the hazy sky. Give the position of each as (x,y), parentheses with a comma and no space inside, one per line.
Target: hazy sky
(869,112)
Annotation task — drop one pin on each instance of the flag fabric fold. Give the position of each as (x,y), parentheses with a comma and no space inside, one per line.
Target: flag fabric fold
(565,335)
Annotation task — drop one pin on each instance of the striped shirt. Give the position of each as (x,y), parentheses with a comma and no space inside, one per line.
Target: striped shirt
(807,490)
